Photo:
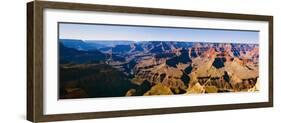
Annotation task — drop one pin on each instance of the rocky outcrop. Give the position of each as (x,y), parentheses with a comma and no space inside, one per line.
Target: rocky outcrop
(130,68)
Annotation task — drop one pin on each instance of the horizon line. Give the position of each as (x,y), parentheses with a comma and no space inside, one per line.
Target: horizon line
(96,40)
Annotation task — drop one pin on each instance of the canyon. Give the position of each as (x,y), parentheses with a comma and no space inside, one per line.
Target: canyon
(93,68)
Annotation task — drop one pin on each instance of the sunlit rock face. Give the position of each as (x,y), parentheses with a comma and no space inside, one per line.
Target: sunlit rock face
(164,68)
(203,68)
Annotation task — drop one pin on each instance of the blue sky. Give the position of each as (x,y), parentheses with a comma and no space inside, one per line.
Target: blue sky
(137,33)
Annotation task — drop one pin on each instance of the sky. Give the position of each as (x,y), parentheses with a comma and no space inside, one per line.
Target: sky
(146,33)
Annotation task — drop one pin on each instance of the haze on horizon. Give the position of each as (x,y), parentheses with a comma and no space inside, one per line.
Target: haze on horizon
(147,33)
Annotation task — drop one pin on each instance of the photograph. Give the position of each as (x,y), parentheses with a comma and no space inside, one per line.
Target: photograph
(110,60)
(88,60)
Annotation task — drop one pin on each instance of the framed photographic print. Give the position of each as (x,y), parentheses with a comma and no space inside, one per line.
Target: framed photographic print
(96,61)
